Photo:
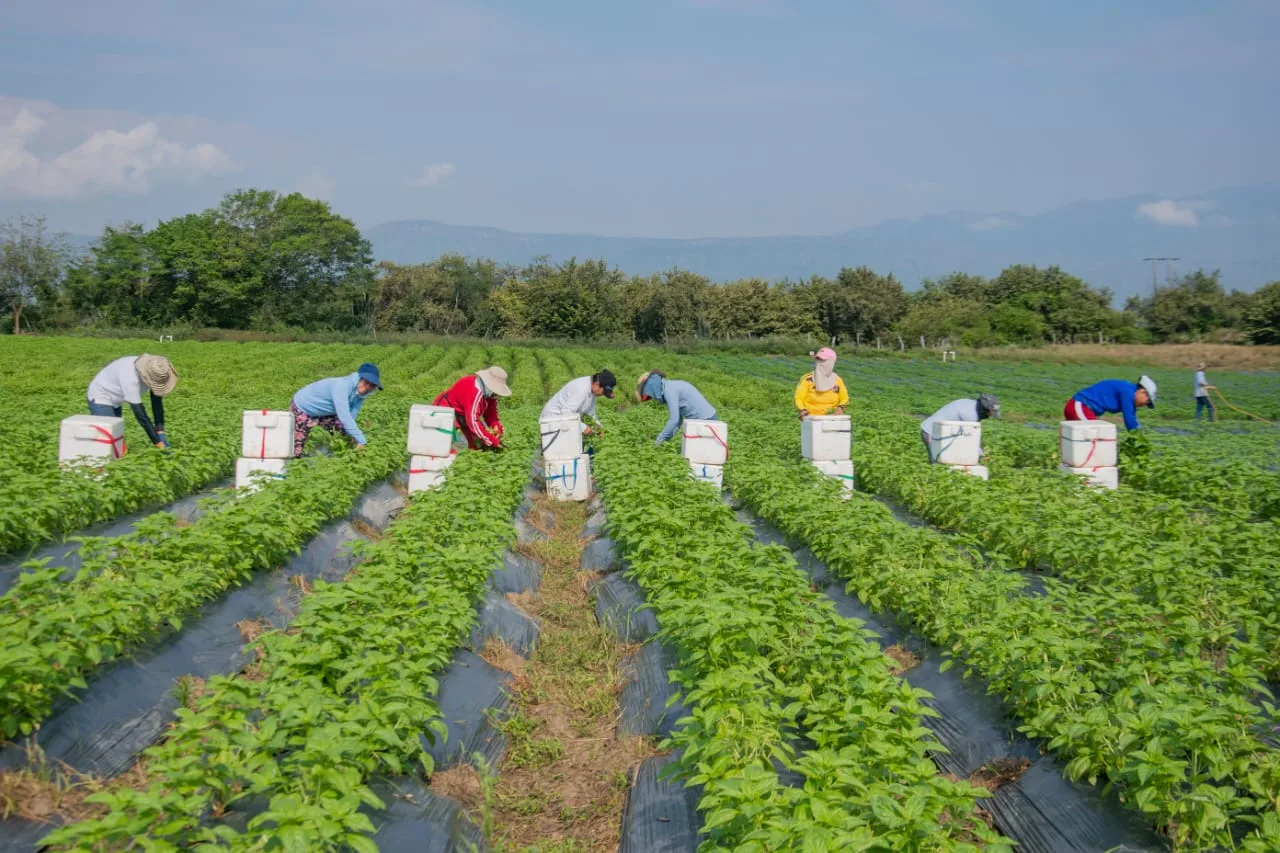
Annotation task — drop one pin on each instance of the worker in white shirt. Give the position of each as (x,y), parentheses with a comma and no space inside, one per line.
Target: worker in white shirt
(122,382)
(578,397)
(971,411)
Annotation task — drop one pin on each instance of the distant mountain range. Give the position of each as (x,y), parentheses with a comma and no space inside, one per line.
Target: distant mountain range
(1234,229)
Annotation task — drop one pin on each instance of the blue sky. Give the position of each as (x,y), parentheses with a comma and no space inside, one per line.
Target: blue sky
(665,118)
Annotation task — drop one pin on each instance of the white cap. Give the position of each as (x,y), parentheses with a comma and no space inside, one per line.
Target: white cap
(1149,385)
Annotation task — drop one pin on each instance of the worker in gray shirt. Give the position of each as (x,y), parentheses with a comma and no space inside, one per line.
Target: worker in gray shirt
(1202,390)
(972,411)
(682,399)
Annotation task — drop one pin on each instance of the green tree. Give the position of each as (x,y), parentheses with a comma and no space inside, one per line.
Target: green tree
(31,265)
(1264,315)
(1189,307)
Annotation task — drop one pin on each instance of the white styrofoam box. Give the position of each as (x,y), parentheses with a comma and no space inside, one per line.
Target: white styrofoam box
(705,442)
(266,435)
(424,480)
(250,473)
(424,464)
(837,469)
(1106,476)
(956,443)
(1087,444)
(561,438)
(89,436)
(430,430)
(826,438)
(979,471)
(569,479)
(713,474)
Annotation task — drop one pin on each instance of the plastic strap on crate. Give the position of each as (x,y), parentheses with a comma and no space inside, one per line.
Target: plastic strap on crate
(563,476)
(453,452)
(1093,447)
(108,438)
(713,435)
(950,439)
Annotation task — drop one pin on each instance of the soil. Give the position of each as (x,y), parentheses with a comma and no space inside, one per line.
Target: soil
(902,658)
(994,775)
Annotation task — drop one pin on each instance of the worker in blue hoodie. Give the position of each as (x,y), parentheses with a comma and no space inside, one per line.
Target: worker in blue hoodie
(1111,396)
(682,399)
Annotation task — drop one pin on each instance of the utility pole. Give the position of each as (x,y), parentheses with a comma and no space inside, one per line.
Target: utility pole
(1167,272)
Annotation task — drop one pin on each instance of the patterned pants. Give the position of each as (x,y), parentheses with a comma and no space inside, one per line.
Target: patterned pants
(304,423)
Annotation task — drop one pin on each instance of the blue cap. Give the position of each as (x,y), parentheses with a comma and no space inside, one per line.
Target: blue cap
(369,372)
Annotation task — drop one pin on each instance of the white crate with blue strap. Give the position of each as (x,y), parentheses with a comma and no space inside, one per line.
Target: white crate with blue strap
(713,474)
(252,473)
(955,443)
(837,469)
(569,479)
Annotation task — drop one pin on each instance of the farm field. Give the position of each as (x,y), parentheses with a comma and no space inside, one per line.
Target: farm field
(1126,643)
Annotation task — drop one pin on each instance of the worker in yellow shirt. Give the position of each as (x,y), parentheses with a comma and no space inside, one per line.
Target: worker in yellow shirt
(822,392)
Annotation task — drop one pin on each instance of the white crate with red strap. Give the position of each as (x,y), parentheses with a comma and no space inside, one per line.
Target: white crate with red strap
(705,442)
(979,471)
(826,438)
(427,472)
(1103,476)
(91,439)
(1088,444)
(266,435)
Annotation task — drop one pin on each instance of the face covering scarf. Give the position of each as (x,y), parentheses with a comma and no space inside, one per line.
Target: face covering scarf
(824,374)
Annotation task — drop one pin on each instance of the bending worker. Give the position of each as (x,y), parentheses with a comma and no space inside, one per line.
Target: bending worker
(822,391)
(970,411)
(333,404)
(122,382)
(578,398)
(1111,396)
(474,400)
(682,399)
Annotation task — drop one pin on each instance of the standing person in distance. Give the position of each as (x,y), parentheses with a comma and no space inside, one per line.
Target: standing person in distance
(578,397)
(122,382)
(1202,389)
(474,400)
(970,411)
(682,399)
(333,404)
(1111,396)
(821,391)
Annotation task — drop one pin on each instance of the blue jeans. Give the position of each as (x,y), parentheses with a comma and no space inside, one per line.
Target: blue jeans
(101,411)
(1204,403)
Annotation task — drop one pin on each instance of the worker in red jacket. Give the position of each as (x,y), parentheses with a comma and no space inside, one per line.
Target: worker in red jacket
(474,400)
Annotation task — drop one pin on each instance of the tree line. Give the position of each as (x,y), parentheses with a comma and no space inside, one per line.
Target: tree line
(267,261)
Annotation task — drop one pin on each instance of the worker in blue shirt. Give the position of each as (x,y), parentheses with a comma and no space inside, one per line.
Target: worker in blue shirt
(682,399)
(1111,396)
(333,405)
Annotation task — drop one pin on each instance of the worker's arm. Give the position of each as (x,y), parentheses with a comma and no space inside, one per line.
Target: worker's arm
(842,399)
(157,411)
(140,413)
(673,417)
(477,414)
(802,394)
(342,408)
(1130,413)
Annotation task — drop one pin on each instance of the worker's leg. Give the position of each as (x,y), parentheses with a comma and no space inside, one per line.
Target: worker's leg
(100,411)
(302,424)
(1212,410)
(1077,411)
(1199,406)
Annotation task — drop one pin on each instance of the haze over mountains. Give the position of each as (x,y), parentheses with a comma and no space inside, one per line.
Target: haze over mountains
(1236,230)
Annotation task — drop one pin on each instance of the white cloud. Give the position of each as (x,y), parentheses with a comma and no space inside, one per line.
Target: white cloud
(105,161)
(992,223)
(433,174)
(317,185)
(1169,212)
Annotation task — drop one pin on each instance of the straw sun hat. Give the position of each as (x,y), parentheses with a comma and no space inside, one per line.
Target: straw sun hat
(495,379)
(157,373)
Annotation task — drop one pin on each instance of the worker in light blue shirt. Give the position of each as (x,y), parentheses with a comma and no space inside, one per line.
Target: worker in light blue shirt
(682,399)
(333,404)
(969,411)
(1111,396)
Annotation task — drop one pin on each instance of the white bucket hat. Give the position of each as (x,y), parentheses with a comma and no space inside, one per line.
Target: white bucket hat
(157,373)
(495,379)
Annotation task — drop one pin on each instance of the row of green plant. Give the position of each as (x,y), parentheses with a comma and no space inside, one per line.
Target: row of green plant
(54,632)
(774,679)
(280,760)
(1146,699)
(1217,572)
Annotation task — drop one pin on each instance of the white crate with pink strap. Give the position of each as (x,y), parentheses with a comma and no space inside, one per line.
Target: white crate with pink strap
(705,442)
(266,435)
(91,439)
(1087,444)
